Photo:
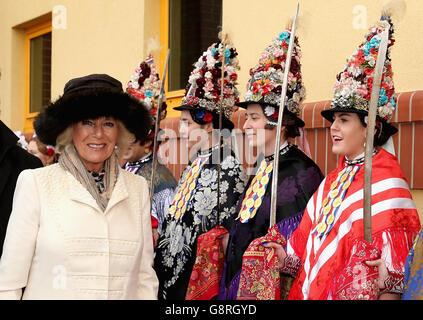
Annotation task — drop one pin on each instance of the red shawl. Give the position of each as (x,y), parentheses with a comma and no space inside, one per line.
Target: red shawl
(395,223)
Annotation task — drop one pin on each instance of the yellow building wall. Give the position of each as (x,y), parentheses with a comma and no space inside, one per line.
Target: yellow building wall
(100,36)
(418,200)
(329,32)
(111,35)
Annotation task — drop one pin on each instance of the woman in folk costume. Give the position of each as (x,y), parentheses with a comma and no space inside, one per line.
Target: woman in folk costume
(298,175)
(46,153)
(327,252)
(145,86)
(81,228)
(194,209)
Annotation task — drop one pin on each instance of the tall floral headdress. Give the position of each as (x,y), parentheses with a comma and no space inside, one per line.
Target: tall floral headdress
(265,84)
(145,86)
(353,88)
(203,90)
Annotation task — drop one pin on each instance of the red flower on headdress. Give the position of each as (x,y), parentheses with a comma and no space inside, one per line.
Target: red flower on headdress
(208,117)
(359,59)
(151,135)
(368,71)
(50,151)
(255,87)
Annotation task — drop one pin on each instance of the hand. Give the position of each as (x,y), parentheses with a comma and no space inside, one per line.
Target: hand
(280,252)
(382,271)
(225,239)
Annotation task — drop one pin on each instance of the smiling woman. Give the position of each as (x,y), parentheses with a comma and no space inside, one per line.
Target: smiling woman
(84,214)
(348,135)
(95,141)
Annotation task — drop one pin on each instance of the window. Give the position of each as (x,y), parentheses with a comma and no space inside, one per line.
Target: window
(188,28)
(38,71)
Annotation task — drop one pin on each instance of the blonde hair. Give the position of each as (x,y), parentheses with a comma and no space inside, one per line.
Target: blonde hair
(124,139)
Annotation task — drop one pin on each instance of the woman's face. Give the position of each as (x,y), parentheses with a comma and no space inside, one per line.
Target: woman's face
(348,135)
(95,140)
(137,150)
(33,149)
(195,135)
(254,126)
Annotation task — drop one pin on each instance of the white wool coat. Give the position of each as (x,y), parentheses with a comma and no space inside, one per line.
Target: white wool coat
(60,245)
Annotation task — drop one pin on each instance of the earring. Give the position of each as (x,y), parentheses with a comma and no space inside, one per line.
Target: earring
(147,150)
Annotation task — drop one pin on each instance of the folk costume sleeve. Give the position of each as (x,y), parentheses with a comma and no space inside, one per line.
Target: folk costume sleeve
(233,181)
(414,271)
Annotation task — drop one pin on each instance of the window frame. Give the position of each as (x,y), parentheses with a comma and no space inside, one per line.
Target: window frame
(30,33)
(173,98)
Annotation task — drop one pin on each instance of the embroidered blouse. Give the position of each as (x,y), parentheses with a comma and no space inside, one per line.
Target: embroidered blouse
(193,212)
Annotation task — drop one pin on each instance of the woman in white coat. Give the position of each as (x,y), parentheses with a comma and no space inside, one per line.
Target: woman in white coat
(81,228)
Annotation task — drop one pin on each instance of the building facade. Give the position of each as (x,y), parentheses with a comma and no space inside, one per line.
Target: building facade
(47,42)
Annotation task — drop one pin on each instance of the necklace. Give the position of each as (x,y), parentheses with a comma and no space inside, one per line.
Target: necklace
(282,151)
(357,160)
(141,161)
(136,165)
(208,151)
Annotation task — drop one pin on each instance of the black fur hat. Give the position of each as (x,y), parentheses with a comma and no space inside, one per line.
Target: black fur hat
(92,97)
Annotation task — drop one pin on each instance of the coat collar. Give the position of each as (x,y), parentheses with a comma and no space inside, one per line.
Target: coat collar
(80,194)
(7,139)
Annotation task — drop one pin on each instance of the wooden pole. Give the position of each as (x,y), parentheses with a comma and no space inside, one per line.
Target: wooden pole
(368,156)
(156,128)
(273,198)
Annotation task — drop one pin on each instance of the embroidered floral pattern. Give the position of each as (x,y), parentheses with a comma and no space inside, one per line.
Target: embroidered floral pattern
(207,271)
(260,278)
(358,281)
(175,255)
(292,265)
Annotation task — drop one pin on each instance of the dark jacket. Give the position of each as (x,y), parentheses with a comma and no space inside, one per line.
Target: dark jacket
(13,160)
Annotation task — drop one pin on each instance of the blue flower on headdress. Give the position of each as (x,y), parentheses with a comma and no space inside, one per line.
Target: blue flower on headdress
(383,99)
(200,114)
(213,50)
(284,36)
(227,56)
(148,93)
(366,51)
(392,101)
(372,43)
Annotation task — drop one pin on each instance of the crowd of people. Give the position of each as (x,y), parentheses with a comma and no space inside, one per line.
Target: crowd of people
(82,219)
